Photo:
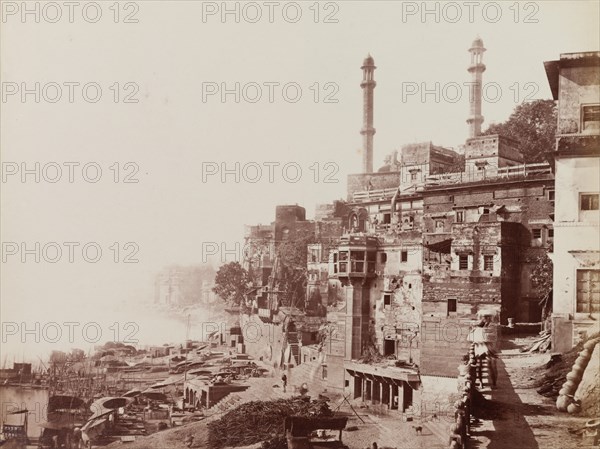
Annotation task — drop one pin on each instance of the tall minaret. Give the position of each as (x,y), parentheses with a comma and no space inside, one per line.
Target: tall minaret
(368,84)
(476,70)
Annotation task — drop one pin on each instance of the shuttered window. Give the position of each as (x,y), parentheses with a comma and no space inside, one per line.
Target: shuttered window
(588,291)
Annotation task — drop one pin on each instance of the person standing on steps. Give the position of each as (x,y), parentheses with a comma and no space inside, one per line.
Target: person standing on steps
(480,336)
(284,381)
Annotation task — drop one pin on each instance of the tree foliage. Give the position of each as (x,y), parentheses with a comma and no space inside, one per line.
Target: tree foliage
(231,283)
(533,126)
(541,279)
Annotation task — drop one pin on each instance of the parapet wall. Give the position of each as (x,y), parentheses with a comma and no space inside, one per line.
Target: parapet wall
(372,181)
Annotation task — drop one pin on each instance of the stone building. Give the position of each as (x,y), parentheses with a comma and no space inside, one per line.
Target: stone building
(575,82)
(416,251)
(281,325)
(268,248)
(434,237)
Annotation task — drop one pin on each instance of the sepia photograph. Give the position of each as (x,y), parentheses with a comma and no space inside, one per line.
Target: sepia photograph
(311,224)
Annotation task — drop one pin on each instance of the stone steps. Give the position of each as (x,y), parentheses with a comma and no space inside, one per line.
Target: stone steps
(309,373)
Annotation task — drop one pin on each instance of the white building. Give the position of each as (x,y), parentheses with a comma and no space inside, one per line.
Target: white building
(575,82)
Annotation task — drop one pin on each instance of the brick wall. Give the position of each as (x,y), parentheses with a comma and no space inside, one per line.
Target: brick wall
(469,297)
(443,344)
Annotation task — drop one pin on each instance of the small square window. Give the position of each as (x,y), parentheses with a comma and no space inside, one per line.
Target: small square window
(488,262)
(463,262)
(589,201)
(551,195)
(387,300)
(551,233)
(536,233)
(590,117)
(404,256)
(460,216)
(451,305)
(383,258)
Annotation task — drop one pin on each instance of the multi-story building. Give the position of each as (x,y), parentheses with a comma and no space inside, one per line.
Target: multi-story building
(269,251)
(575,82)
(434,237)
(287,320)
(438,235)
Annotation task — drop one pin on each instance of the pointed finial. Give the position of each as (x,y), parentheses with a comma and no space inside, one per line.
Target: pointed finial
(368,61)
(477,44)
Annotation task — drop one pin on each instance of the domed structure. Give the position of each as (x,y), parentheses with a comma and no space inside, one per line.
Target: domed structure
(477,44)
(368,62)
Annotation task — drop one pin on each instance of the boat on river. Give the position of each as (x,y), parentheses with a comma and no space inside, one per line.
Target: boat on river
(14,436)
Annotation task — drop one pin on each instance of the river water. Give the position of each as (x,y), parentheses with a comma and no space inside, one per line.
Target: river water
(33,399)
(153,326)
(31,339)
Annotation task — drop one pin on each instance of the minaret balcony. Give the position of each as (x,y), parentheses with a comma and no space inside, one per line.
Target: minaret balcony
(368,83)
(479,67)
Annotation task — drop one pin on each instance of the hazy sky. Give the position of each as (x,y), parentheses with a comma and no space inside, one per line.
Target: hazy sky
(173,59)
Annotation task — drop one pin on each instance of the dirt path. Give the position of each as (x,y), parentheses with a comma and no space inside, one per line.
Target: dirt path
(523,419)
(518,418)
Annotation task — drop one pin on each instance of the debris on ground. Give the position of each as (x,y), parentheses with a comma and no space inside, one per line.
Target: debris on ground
(261,421)
(540,344)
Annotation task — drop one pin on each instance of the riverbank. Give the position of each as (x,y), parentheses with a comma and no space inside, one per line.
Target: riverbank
(517,416)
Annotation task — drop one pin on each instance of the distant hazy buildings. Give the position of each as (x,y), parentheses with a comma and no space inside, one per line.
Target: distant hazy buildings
(180,286)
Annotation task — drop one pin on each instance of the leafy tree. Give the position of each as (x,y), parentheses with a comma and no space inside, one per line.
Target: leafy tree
(231,283)
(533,125)
(541,279)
